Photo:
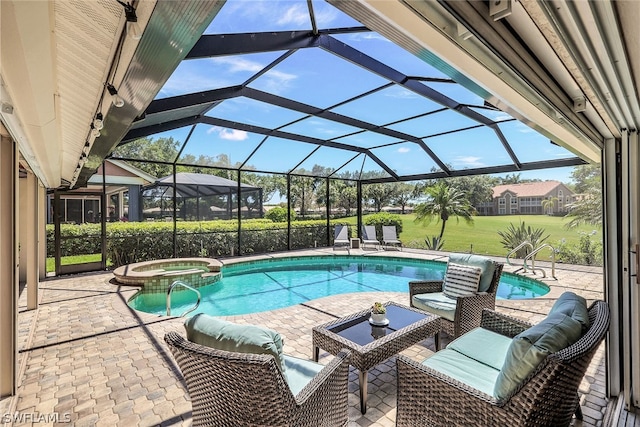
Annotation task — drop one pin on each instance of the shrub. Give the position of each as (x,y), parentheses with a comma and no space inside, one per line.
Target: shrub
(434,243)
(585,252)
(515,236)
(279,214)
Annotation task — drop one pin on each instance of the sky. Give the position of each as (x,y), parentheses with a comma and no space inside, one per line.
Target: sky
(320,79)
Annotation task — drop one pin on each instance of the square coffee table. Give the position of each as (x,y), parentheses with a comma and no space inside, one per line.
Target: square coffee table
(371,345)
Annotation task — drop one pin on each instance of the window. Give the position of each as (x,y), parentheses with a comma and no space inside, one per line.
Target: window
(501,201)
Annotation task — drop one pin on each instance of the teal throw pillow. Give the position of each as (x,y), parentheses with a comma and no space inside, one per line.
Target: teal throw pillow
(573,306)
(222,335)
(529,348)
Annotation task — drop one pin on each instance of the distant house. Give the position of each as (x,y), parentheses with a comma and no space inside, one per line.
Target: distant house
(123,183)
(529,199)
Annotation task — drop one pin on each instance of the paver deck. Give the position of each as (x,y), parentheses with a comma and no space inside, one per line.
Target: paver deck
(90,360)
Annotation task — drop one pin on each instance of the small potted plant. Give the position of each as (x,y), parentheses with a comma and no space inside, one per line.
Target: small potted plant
(378,314)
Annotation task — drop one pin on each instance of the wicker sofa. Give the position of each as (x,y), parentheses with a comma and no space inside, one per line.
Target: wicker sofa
(256,384)
(462,313)
(453,388)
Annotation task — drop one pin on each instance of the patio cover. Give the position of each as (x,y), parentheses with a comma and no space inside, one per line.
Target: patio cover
(199,185)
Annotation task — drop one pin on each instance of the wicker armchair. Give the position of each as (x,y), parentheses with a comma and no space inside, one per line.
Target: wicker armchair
(244,389)
(468,309)
(547,397)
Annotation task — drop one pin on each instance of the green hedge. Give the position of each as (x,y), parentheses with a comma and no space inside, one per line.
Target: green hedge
(129,242)
(383,218)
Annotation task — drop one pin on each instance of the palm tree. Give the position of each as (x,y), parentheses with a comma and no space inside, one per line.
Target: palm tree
(548,204)
(444,202)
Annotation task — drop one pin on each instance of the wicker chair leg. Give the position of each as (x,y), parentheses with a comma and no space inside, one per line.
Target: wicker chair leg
(578,412)
(436,340)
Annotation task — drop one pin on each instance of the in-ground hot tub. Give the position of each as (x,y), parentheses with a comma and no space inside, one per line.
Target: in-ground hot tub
(158,275)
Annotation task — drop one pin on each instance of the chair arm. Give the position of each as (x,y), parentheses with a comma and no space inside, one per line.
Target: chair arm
(469,311)
(502,324)
(324,401)
(424,287)
(428,397)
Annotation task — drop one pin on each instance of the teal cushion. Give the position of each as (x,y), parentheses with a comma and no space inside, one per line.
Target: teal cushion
(300,372)
(529,348)
(436,303)
(222,335)
(487,266)
(483,345)
(464,369)
(573,306)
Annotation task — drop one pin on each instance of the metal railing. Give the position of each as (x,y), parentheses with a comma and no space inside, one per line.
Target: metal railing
(184,285)
(514,250)
(532,255)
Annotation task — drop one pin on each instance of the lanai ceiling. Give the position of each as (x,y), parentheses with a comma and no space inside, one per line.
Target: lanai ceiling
(321,94)
(445,89)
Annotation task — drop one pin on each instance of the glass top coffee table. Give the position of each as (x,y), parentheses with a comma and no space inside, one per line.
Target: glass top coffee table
(371,345)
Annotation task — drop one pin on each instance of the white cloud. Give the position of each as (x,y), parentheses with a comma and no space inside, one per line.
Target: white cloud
(228,134)
(404,150)
(468,161)
(277,82)
(238,65)
(233,134)
(297,14)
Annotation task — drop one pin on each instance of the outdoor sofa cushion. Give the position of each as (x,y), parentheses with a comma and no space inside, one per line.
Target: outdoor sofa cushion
(461,280)
(222,335)
(483,345)
(529,348)
(300,372)
(436,303)
(573,306)
(464,369)
(487,266)
(495,364)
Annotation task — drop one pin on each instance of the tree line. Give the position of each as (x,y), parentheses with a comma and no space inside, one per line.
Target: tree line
(436,199)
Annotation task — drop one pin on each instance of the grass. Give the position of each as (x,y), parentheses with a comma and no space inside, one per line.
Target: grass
(75,259)
(482,236)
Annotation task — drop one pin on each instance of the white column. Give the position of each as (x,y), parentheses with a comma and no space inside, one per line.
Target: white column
(30,219)
(8,268)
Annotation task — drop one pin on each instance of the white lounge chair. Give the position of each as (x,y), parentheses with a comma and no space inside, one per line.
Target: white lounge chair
(342,237)
(390,236)
(369,236)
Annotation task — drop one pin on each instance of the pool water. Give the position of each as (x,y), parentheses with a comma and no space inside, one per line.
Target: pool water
(255,286)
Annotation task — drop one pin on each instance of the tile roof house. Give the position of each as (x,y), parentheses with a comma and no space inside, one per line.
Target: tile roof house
(528,199)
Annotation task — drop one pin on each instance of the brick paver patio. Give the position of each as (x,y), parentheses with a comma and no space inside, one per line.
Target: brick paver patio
(89,360)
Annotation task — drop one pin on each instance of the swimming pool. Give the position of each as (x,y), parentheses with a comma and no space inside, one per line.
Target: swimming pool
(254,286)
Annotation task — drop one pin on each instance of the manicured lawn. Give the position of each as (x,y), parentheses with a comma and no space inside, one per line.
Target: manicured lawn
(77,259)
(482,236)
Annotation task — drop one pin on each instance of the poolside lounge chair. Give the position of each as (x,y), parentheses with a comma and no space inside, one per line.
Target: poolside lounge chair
(460,310)
(342,237)
(390,236)
(250,386)
(435,394)
(369,236)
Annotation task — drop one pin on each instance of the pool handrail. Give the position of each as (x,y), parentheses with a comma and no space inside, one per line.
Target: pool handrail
(532,255)
(514,250)
(181,283)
